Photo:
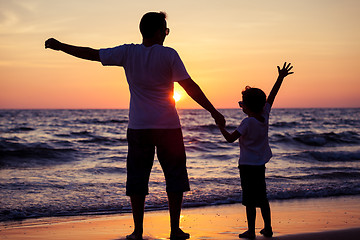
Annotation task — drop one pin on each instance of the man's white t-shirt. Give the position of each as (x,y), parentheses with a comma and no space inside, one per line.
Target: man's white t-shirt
(151,73)
(254,140)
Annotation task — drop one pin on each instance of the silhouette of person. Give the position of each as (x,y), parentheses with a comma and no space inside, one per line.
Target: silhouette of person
(255,151)
(151,70)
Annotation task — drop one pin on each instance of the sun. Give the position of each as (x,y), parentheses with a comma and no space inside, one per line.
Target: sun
(176,96)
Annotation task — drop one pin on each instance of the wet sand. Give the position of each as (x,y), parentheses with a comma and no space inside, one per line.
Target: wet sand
(326,218)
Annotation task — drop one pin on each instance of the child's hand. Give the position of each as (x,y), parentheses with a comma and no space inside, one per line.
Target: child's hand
(285,70)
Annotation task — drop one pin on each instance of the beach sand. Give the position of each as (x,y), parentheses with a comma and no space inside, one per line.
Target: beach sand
(321,219)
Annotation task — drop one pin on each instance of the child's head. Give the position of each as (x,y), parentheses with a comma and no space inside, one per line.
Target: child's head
(253,99)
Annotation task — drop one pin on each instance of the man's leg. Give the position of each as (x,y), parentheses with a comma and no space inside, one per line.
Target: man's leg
(171,155)
(138,207)
(175,202)
(139,163)
(251,217)
(266,214)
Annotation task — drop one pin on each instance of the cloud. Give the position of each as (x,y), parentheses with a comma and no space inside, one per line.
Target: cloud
(8,19)
(28,17)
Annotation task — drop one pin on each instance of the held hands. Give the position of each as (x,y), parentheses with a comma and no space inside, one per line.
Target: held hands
(53,44)
(285,70)
(219,119)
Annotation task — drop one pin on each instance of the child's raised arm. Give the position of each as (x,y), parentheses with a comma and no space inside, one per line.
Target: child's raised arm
(282,74)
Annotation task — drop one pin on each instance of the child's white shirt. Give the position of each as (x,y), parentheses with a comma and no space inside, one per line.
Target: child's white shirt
(254,140)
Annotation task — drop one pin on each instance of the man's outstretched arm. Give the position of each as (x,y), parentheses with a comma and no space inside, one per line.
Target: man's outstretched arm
(80,52)
(195,92)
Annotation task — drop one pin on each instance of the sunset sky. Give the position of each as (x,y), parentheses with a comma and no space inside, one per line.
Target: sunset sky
(225,45)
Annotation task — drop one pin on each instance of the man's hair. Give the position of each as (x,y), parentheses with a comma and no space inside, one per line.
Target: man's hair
(254,99)
(151,22)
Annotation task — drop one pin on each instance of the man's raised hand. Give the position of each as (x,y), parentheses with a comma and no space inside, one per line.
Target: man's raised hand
(52,44)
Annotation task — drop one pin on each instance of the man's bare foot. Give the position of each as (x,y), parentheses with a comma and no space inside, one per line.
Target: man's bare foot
(247,234)
(134,236)
(179,234)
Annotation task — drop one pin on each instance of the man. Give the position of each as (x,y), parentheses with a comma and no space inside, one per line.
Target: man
(151,70)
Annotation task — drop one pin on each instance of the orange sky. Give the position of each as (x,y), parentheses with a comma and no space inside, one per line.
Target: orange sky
(225,46)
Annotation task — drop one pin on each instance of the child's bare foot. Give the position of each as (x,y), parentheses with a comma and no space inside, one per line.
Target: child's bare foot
(247,234)
(178,234)
(134,236)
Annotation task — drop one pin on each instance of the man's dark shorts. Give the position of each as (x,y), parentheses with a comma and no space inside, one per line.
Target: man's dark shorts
(253,185)
(170,150)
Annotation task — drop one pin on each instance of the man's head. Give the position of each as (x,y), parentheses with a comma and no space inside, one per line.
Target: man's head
(152,24)
(253,99)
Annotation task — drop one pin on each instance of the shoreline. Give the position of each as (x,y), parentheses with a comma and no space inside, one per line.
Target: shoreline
(291,219)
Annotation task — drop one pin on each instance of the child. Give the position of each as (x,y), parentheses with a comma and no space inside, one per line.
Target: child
(255,151)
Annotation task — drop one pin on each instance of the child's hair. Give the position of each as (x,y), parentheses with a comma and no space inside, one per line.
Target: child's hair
(254,99)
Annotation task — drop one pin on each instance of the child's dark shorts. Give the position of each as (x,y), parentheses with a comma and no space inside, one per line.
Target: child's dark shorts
(253,185)
(170,150)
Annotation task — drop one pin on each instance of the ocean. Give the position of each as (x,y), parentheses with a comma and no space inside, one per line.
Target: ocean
(73,162)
